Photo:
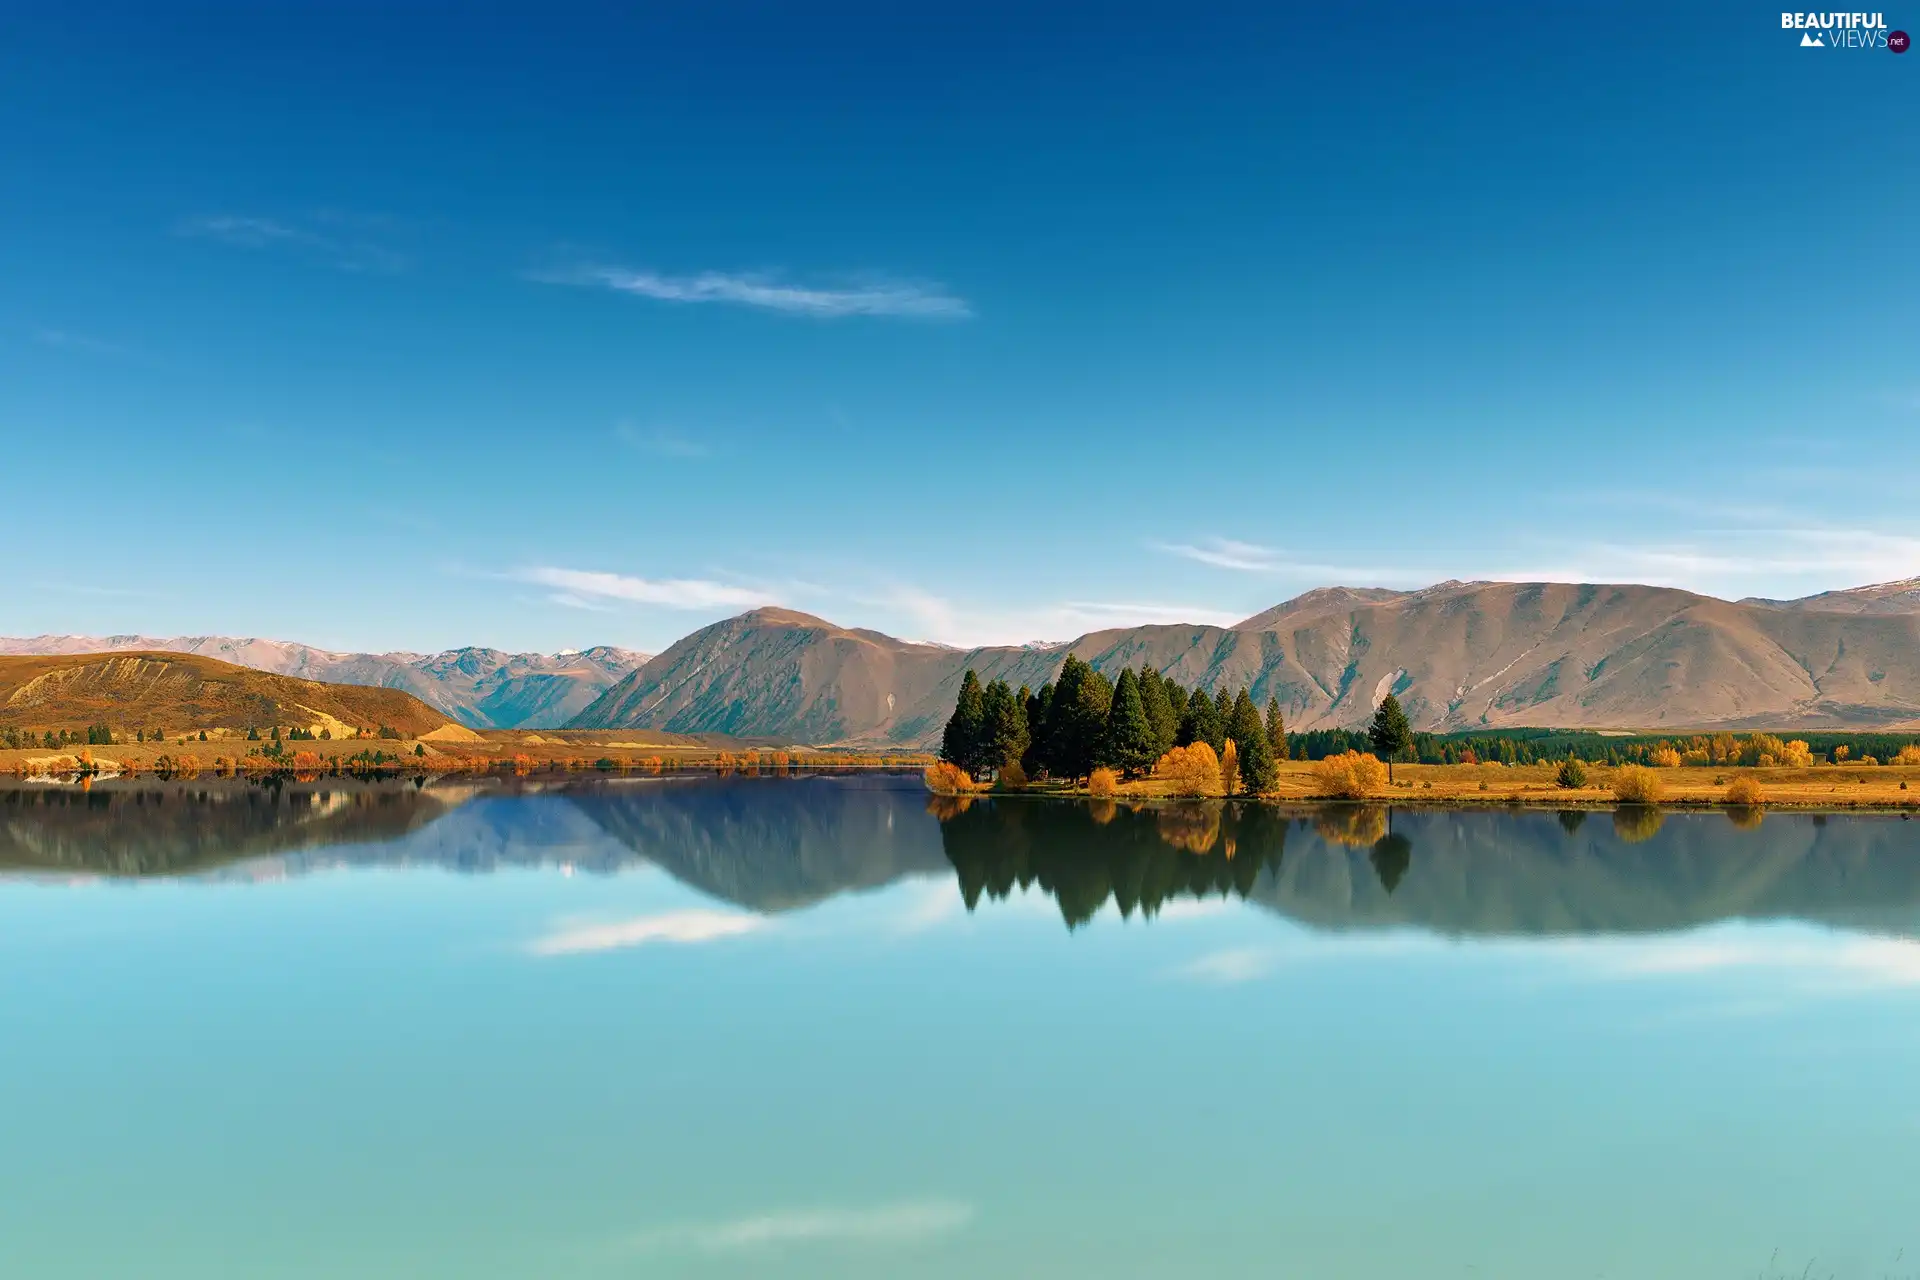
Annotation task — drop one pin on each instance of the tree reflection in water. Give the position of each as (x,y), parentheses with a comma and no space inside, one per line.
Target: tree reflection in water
(1140,858)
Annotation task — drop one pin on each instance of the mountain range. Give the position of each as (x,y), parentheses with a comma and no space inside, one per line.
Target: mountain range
(1459,655)
(481,688)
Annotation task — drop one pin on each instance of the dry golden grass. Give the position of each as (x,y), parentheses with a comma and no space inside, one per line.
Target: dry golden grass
(1851,786)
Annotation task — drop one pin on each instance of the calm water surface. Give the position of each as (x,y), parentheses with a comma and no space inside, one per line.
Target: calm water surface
(812,1028)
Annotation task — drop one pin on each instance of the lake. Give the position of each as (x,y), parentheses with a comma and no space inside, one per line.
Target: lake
(825,1027)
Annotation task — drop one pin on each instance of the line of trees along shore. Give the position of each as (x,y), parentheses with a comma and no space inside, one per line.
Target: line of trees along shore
(1082,721)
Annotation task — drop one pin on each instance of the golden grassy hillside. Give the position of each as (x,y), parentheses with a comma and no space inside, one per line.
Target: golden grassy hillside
(182,693)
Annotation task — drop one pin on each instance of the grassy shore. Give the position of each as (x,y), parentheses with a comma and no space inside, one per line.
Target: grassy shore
(1476,785)
(488,752)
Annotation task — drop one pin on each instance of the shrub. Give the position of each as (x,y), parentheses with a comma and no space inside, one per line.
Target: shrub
(1192,771)
(1191,828)
(1746,793)
(947,779)
(1350,775)
(1355,826)
(1909,754)
(1012,777)
(1572,773)
(1664,758)
(1636,785)
(1635,823)
(1103,784)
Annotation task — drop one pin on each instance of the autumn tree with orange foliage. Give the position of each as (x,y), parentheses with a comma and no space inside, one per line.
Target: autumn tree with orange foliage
(945,778)
(1350,775)
(1192,771)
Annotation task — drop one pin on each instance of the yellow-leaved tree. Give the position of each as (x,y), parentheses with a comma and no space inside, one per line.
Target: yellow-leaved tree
(1349,775)
(1190,771)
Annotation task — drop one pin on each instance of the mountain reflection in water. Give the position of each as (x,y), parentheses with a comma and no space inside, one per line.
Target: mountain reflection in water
(773,845)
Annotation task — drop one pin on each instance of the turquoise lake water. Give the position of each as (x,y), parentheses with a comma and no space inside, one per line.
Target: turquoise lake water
(816,1028)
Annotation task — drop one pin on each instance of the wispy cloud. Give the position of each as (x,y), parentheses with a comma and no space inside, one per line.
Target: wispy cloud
(904,1223)
(105,592)
(1248,557)
(584,588)
(1729,561)
(768,291)
(662,441)
(674,927)
(928,906)
(348,253)
(944,621)
(1232,964)
(67,340)
(1845,962)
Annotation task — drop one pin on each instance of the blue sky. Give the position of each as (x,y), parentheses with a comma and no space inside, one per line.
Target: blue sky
(387,328)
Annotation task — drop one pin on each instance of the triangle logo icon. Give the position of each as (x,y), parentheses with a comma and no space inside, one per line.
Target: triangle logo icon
(1812,41)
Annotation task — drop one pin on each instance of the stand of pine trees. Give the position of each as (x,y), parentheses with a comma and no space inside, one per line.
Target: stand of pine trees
(1082,721)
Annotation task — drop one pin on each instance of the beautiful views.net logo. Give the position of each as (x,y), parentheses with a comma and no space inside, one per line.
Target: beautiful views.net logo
(1844,31)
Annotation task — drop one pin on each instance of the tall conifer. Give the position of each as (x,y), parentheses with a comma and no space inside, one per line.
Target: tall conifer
(1160,717)
(1390,734)
(1126,743)
(1255,757)
(960,744)
(1276,731)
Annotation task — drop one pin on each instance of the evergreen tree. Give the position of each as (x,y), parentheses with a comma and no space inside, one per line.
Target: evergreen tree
(1203,723)
(1160,717)
(1223,704)
(1033,760)
(1076,718)
(1126,742)
(960,744)
(1276,731)
(1004,733)
(1176,698)
(1255,758)
(1390,734)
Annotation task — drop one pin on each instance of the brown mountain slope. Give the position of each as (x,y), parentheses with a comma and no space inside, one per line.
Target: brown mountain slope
(1459,655)
(1883,597)
(177,692)
(481,688)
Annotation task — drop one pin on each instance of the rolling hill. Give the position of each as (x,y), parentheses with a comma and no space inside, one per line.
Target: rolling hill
(179,692)
(481,688)
(1460,655)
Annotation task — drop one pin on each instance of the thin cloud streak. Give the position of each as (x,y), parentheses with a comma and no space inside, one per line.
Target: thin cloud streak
(901,1224)
(941,621)
(910,299)
(681,928)
(1730,563)
(662,442)
(248,232)
(577,587)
